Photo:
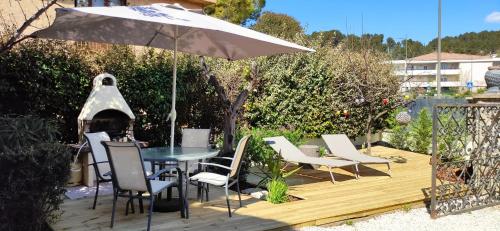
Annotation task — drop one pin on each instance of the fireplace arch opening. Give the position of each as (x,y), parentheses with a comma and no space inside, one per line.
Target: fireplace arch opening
(114,122)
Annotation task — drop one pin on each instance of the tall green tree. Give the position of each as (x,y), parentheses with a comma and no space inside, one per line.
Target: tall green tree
(329,38)
(279,25)
(373,42)
(414,48)
(236,11)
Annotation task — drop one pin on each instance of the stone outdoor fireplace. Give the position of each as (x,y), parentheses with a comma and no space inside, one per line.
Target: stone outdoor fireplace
(105,110)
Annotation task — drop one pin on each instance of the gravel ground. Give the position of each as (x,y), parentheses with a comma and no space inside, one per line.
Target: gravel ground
(418,219)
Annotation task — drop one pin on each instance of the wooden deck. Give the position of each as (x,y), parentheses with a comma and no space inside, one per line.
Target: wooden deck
(323,202)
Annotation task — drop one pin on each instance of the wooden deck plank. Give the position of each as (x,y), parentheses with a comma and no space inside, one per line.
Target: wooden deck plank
(324,202)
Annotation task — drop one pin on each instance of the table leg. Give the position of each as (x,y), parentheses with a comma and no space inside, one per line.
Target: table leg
(161,166)
(186,169)
(198,192)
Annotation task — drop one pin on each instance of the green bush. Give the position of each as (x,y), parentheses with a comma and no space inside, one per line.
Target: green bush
(452,144)
(34,169)
(47,79)
(258,151)
(311,91)
(145,81)
(481,90)
(421,132)
(400,132)
(53,80)
(399,137)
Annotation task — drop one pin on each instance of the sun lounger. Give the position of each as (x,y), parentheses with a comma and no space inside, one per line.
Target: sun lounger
(292,154)
(341,146)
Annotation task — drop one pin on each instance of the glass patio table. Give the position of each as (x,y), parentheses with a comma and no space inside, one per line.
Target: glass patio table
(181,154)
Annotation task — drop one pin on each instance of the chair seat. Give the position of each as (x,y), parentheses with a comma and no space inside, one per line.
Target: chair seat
(158,185)
(211,178)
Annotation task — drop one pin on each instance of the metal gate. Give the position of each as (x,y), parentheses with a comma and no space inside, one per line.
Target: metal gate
(465,158)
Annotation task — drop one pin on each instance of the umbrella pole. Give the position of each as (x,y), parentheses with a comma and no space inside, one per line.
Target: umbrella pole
(173,113)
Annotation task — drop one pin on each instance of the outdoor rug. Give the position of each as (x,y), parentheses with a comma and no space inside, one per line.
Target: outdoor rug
(78,192)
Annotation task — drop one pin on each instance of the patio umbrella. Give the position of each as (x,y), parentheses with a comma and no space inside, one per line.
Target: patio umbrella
(168,27)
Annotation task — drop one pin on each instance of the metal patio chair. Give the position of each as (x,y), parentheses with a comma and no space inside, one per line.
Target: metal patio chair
(231,178)
(99,158)
(129,175)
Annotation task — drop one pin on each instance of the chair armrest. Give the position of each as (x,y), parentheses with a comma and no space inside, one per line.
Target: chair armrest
(223,157)
(100,162)
(216,165)
(163,171)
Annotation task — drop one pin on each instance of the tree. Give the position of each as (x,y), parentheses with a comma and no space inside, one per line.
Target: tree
(373,41)
(415,48)
(233,81)
(236,11)
(279,25)
(330,38)
(368,87)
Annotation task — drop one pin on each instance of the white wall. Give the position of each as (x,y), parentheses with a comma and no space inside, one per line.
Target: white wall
(11,13)
(474,71)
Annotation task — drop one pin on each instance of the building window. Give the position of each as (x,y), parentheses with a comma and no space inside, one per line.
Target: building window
(425,67)
(85,3)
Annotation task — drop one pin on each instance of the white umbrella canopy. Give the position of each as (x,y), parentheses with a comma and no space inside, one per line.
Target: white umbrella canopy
(168,27)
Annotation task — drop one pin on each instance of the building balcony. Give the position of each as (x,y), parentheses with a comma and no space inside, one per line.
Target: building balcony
(413,84)
(427,72)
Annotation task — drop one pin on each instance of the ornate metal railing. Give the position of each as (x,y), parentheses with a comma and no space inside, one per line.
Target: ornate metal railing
(465,158)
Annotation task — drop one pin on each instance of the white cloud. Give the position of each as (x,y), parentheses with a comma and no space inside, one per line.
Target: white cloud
(494,17)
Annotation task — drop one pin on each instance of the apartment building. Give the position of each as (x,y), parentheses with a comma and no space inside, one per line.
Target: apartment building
(460,71)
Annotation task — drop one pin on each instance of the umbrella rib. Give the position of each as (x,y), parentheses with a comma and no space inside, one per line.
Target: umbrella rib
(178,36)
(189,30)
(154,36)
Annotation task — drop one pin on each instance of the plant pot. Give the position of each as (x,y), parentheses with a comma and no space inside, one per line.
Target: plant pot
(76,174)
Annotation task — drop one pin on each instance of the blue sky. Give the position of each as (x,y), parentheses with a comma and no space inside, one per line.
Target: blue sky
(416,19)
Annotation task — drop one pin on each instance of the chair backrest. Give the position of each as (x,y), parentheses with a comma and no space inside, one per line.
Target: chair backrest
(195,138)
(97,150)
(340,145)
(286,149)
(127,166)
(238,155)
